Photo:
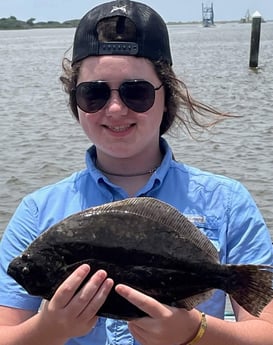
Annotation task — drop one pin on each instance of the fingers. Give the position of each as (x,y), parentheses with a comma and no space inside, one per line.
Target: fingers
(92,295)
(67,289)
(73,309)
(96,289)
(148,304)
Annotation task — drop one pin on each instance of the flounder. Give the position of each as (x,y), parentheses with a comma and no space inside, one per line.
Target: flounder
(146,244)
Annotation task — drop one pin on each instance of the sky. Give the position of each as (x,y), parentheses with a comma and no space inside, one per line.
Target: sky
(170,10)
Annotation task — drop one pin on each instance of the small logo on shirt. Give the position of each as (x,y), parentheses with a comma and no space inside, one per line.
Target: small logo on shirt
(196,218)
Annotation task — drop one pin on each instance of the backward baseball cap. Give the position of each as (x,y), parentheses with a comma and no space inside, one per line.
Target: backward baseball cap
(151,33)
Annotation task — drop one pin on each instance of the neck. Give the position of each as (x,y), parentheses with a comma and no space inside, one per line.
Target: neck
(142,173)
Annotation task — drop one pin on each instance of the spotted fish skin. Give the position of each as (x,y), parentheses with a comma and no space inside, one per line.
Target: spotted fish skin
(146,244)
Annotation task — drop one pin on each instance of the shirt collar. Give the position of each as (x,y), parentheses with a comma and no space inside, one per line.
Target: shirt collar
(155,180)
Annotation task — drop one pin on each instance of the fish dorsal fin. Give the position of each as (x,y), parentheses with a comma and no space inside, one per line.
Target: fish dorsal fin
(165,214)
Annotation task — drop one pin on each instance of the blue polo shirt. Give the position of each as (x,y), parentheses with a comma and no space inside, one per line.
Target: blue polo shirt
(221,207)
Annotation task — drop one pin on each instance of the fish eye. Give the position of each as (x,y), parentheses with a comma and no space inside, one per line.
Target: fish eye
(25,270)
(25,257)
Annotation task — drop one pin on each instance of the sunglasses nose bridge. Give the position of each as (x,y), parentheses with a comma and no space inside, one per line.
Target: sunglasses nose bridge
(115,99)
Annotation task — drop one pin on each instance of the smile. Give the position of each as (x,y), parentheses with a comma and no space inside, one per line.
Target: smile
(119,128)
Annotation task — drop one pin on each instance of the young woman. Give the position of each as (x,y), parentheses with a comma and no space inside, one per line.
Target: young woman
(125,95)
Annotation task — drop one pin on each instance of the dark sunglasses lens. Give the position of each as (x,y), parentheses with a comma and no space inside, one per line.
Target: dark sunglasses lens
(137,95)
(92,96)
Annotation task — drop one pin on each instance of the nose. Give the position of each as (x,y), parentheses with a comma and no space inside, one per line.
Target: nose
(115,105)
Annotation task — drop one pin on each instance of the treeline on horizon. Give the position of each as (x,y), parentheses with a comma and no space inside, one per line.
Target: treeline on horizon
(12,23)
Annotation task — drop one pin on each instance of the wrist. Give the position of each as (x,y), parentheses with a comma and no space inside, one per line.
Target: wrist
(200,332)
(48,333)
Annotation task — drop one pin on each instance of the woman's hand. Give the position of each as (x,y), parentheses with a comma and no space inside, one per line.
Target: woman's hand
(165,325)
(68,314)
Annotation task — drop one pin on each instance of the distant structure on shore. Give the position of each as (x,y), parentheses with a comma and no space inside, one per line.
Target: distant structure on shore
(207,15)
(248,18)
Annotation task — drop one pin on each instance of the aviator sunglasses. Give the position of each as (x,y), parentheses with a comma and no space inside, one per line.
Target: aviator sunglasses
(138,95)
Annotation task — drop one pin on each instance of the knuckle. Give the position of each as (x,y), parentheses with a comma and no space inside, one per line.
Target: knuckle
(66,288)
(83,298)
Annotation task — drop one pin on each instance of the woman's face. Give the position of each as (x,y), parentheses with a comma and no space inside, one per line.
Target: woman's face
(115,129)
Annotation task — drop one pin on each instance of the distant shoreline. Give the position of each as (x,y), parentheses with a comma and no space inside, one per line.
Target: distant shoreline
(12,23)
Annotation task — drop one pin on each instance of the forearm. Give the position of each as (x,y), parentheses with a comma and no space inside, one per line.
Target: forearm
(28,332)
(254,332)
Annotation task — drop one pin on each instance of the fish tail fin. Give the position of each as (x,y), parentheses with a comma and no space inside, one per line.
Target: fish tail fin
(251,286)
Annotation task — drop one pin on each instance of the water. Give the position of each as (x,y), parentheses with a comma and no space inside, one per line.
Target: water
(41,142)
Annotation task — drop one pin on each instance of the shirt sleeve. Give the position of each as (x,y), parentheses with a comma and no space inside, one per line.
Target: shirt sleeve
(20,231)
(248,238)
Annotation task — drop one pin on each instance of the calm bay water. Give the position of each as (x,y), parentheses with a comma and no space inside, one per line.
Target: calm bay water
(41,142)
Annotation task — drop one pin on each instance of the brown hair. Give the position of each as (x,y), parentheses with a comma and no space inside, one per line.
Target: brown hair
(181,109)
